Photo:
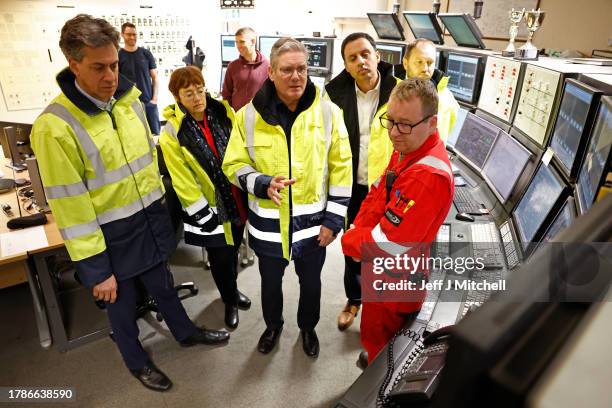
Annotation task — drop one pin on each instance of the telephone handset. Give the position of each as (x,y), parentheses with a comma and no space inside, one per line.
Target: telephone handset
(418,379)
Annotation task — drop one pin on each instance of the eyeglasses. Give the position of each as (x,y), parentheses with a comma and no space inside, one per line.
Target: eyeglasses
(404,128)
(288,72)
(201,92)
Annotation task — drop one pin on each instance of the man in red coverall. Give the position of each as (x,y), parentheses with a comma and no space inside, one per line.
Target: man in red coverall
(419,199)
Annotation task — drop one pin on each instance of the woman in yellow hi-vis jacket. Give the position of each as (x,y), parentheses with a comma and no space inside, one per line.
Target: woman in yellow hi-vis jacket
(193,143)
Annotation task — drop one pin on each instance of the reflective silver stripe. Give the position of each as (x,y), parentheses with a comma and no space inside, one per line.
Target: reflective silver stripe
(376,182)
(140,111)
(79,230)
(249,128)
(91,151)
(337,209)
(68,190)
(250,181)
(306,233)
(307,209)
(196,230)
(130,209)
(327,122)
(244,170)
(340,191)
(273,213)
(436,164)
(265,236)
(89,147)
(169,128)
(204,220)
(383,242)
(197,206)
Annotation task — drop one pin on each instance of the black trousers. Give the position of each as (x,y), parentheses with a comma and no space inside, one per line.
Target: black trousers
(308,269)
(224,267)
(122,313)
(352,269)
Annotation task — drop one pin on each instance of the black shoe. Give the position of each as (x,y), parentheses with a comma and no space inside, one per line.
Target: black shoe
(244,302)
(362,361)
(152,378)
(268,340)
(231,316)
(205,336)
(310,343)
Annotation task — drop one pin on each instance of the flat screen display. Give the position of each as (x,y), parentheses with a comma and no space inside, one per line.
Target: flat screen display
(452,137)
(424,25)
(229,52)
(317,53)
(597,160)
(387,26)
(463,29)
(570,124)
(505,164)
(391,53)
(462,71)
(265,45)
(536,204)
(476,139)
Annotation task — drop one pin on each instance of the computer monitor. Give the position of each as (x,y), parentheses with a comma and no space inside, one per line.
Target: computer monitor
(319,52)
(475,140)
(11,150)
(571,130)
(505,165)
(40,198)
(387,26)
(562,220)
(390,52)
(536,205)
(229,52)
(465,74)
(463,29)
(424,24)
(454,134)
(265,43)
(596,163)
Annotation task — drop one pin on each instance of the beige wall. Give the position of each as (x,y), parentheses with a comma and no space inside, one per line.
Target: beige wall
(569,24)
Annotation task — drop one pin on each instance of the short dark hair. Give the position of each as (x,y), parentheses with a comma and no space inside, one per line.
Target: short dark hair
(413,44)
(183,78)
(83,31)
(420,88)
(126,25)
(356,36)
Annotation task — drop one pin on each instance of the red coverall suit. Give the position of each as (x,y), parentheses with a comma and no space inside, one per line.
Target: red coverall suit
(424,179)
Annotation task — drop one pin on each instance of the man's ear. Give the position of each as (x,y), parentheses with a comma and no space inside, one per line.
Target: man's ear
(74,67)
(270,73)
(377,56)
(405,64)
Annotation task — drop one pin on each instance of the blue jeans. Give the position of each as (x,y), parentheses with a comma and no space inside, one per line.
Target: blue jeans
(152,117)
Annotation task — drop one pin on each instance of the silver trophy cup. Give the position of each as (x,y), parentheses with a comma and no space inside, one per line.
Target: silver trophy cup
(533,19)
(515,18)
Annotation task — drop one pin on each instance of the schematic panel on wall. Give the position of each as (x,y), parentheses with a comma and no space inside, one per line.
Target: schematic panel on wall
(533,113)
(499,87)
(29,58)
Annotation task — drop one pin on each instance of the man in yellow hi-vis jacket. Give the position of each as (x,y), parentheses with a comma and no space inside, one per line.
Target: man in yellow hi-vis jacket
(98,165)
(289,150)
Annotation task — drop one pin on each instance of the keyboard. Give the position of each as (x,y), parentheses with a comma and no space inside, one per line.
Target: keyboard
(475,298)
(509,246)
(486,245)
(465,203)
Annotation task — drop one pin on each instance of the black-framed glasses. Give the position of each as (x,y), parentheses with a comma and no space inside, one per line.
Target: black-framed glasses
(404,128)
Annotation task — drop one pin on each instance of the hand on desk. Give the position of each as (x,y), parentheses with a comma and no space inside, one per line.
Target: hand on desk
(107,290)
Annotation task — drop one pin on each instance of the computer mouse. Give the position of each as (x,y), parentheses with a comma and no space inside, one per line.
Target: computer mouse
(464,217)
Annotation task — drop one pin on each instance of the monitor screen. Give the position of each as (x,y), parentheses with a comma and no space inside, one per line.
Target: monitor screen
(265,45)
(475,140)
(597,159)
(463,29)
(391,53)
(537,202)
(563,219)
(387,26)
(452,138)
(229,52)
(317,53)
(424,25)
(462,71)
(505,165)
(570,124)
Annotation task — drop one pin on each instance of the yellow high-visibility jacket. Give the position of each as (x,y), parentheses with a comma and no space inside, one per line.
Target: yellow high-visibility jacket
(99,170)
(317,155)
(193,186)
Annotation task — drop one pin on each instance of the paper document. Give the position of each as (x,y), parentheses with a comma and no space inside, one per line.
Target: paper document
(24,240)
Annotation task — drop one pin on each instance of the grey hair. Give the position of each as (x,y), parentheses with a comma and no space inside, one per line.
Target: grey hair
(284,45)
(83,31)
(245,30)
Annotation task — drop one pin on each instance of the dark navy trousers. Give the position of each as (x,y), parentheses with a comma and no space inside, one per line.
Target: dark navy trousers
(122,313)
(308,269)
(352,269)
